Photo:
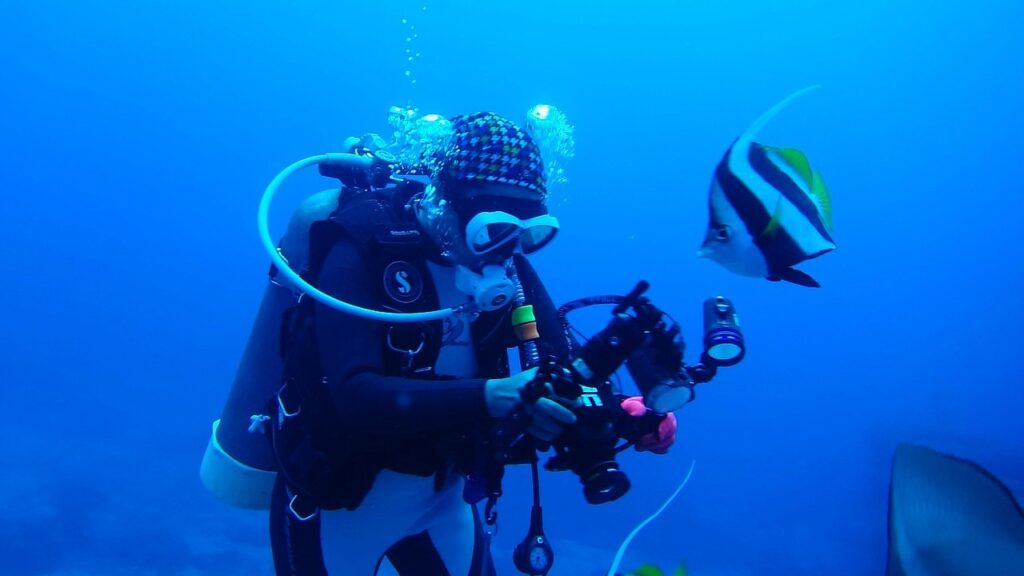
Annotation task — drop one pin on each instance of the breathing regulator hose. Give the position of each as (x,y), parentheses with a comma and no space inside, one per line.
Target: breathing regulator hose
(356,162)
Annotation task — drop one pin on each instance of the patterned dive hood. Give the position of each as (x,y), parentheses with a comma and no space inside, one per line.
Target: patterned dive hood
(486,147)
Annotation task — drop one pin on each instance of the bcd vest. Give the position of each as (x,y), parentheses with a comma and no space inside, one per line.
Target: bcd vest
(324,463)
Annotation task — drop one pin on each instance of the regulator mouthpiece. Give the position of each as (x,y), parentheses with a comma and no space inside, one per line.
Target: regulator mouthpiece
(723,340)
(490,288)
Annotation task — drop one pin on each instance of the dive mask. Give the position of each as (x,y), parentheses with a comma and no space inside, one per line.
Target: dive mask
(490,234)
(494,225)
(493,228)
(489,231)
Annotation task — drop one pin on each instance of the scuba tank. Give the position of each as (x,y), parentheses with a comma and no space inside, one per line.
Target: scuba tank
(239,467)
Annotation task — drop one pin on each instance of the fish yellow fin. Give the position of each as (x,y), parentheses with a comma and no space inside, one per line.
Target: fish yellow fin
(796,160)
(648,570)
(824,201)
(776,221)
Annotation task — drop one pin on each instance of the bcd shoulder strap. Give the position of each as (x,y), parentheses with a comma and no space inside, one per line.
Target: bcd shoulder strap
(396,254)
(320,464)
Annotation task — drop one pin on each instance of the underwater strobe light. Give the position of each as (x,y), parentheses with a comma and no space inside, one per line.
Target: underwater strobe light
(723,340)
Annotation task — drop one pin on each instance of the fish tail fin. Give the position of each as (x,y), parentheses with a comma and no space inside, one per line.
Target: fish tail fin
(822,199)
(794,276)
(747,138)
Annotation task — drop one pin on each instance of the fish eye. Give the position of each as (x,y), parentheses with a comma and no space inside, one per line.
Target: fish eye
(722,233)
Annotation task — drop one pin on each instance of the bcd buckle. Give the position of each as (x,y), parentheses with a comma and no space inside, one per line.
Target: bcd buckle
(298,509)
(408,354)
(284,398)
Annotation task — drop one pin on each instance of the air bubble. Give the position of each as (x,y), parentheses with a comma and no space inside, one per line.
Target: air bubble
(554,136)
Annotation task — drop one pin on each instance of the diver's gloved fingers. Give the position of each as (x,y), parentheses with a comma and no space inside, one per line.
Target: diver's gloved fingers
(570,404)
(548,418)
(660,447)
(658,443)
(544,429)
(554,410)
(502,395)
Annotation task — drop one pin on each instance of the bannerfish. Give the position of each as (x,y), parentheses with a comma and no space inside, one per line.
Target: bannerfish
(769,210)
(950,517)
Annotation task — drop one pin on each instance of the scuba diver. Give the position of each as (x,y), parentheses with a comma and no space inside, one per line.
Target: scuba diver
(388,423)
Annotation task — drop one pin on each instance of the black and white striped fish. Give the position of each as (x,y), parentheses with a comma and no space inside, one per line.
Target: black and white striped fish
(769,211)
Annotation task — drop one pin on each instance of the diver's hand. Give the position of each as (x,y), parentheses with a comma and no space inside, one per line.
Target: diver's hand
(547,417)
(659,442)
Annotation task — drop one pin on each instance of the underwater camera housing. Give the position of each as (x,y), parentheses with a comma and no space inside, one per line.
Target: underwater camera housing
(638,336)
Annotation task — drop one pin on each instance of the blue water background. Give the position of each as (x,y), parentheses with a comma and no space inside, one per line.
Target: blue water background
(137,136)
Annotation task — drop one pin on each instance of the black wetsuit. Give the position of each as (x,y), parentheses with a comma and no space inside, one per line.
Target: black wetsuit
(414,428)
